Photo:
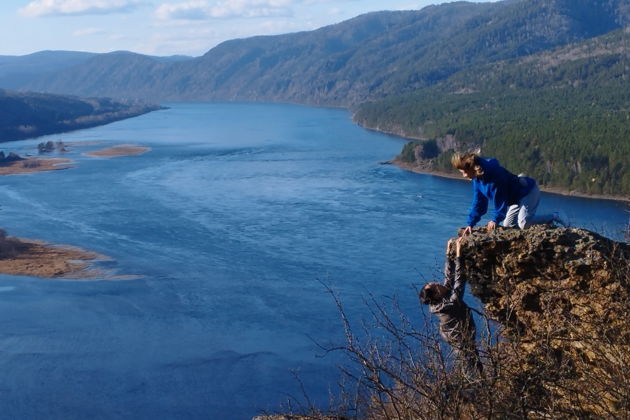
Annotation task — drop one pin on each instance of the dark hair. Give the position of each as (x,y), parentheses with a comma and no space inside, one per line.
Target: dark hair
(428,294)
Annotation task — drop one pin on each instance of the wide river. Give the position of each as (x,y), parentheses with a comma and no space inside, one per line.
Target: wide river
(232,223)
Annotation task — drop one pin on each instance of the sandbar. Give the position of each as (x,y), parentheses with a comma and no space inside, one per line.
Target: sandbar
(32,165)
(121,150)
(84,143)
(27,257)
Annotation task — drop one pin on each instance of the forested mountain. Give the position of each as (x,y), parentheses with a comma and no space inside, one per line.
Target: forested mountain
(15,71)
(18,71)
(562,116)
(24,115)
(123,75)
(365,58)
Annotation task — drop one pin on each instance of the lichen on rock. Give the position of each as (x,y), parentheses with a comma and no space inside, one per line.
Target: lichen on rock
(562,297)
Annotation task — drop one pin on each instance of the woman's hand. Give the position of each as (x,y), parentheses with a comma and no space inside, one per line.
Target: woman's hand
(491,226)
(467,231)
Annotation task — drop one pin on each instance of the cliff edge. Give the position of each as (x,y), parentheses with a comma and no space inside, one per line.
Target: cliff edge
(554,338)
(561,298)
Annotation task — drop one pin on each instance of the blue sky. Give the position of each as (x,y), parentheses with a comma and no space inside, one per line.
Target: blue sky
(167,27)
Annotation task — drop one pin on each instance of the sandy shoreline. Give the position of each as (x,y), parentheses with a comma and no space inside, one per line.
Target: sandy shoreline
(27,257)
(553,190)
(120,150)
(32,165)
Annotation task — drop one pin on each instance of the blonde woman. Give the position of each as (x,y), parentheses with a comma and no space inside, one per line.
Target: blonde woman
(515,198)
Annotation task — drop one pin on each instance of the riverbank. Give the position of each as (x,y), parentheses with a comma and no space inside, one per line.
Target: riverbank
(27,257)
(44,114)
(553,190)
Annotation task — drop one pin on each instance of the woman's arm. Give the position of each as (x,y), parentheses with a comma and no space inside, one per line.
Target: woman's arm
(479,205)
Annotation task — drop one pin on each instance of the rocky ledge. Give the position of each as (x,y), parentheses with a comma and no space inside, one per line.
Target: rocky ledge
(554,337)
(561,298)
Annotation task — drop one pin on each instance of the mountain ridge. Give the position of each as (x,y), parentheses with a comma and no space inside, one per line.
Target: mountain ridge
(365,58)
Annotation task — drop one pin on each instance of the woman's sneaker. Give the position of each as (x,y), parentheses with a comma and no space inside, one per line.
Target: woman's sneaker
(561,218)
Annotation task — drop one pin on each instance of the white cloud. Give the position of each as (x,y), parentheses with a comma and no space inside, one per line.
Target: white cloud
(195,9)
(202,9)
(251,8)
(76,7)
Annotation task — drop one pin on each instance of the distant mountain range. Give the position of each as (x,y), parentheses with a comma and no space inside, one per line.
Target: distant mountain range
(546,78)
(24,115)
(16,71)
(365,58)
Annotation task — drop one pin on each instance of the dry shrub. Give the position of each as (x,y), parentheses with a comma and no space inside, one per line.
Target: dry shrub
(558,346)
(10,247)
(400,369)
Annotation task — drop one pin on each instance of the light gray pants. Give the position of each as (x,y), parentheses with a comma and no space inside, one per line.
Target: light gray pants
(525,212)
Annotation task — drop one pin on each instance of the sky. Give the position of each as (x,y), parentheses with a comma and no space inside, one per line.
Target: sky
(167,27)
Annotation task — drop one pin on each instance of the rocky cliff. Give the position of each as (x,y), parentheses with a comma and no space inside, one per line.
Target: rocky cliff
(557,346)
(562,300)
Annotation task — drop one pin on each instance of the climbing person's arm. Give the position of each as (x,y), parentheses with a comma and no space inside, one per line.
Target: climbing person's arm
(449,266)
(459,281)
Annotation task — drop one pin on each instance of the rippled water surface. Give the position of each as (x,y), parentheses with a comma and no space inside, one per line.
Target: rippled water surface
(235,220)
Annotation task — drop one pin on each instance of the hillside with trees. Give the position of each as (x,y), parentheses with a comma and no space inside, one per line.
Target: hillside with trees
(16,72)
(561,116)
(366,58)
(25,114)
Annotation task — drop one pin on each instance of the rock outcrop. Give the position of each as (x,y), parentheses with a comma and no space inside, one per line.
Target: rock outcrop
(562,298)
(558,346)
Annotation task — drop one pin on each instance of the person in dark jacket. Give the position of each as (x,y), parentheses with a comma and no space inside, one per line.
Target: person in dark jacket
(457,325)
(515,198)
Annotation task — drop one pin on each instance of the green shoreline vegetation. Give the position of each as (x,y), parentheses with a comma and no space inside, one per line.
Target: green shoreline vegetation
(27,114)
(562,117)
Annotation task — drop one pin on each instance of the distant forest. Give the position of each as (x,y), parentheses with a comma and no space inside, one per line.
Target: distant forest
(24,114)
(563,117)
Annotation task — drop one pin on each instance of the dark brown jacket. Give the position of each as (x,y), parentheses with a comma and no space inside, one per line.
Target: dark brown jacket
(456,322)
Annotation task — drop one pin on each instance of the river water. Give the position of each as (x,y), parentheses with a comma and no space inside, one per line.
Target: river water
(233,224)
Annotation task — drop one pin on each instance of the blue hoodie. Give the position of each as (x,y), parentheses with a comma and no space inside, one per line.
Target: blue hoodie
(499,185)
